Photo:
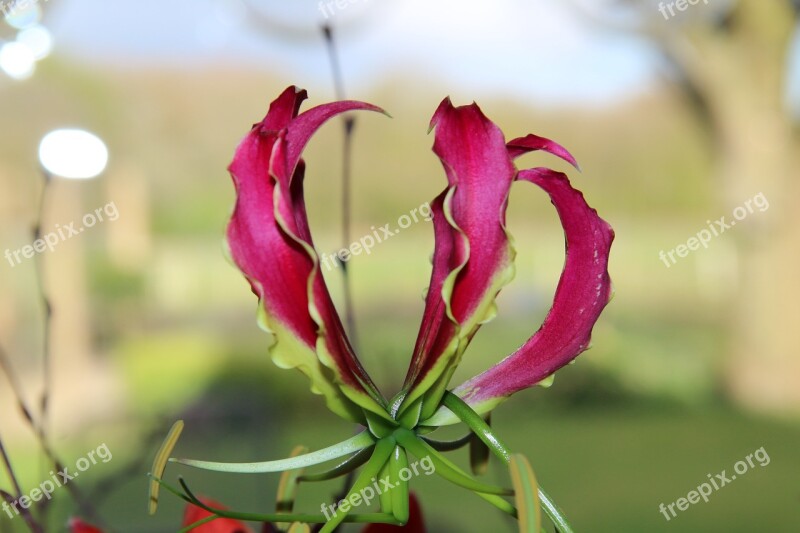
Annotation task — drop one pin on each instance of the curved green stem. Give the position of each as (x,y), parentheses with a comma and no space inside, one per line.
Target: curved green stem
(554,512)
(449,445)
(383,451)
(199,523)
(354,444)
(345,467)
(364,518)
(472,419)
(444,467)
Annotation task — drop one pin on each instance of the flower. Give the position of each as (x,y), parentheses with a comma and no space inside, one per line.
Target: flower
(270,241)
(76,525)
(193,514)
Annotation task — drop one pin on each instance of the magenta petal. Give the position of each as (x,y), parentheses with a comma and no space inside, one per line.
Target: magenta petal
(269,240)
(531,143)
(583,291)
(300,130)
(473,258)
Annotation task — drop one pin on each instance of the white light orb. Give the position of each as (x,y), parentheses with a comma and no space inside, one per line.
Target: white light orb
(73,154)
(17,60)
(22,15)
(38,39)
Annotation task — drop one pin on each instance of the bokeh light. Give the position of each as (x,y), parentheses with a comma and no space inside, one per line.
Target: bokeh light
(23,16)
(38,39)
(17,60)
(73,154)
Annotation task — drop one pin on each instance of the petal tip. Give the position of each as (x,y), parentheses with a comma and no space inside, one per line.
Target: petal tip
(444,106)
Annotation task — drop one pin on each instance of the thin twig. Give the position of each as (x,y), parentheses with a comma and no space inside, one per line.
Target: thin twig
(84,505)
(33,525)
(26,514)
(47,309)
(9,469)
(349,124)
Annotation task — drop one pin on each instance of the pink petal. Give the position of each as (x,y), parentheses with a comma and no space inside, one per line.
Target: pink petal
(583,291)
(532,143)
(473,255)
(270,241)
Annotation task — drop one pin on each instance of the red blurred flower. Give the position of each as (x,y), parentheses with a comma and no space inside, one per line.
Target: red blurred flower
(191,515)
(76,525)
(194,513)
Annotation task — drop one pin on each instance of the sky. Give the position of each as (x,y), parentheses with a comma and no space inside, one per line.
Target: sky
(531,49)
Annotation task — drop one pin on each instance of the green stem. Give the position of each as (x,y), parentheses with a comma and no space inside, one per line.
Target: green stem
(354,444)
(444,467)
(383,451)
(484,432)
(199,523)
(345,467)
(472,419)
(449,445)
(364,518)
(554,512)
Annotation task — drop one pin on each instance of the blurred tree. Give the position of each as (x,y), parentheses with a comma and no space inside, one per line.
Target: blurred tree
(731,60)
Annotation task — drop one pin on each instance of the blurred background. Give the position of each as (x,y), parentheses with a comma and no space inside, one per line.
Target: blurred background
(677,117)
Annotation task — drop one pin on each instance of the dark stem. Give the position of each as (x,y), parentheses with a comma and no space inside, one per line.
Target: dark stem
(39,262)
(330,43)
(47,308)
(10,469)
(84,505)
(350,318)
(30,521)
(349,124)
